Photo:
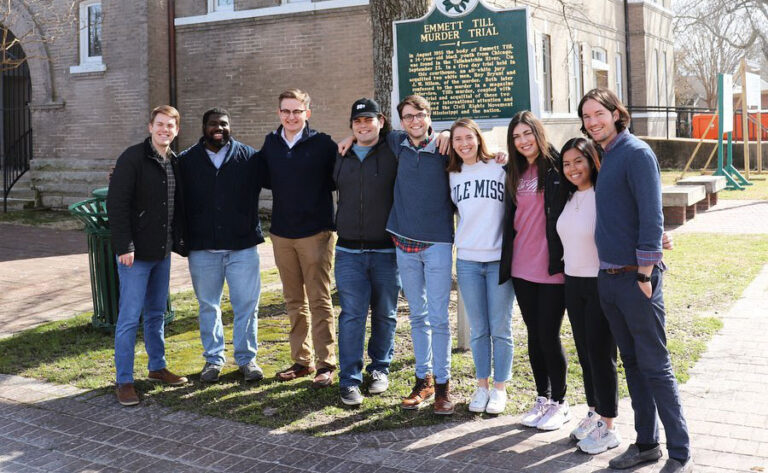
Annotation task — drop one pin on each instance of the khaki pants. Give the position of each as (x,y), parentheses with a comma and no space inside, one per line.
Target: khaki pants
(305,271)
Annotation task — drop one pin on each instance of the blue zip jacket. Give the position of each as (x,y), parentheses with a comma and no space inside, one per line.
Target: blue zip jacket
(422,209)
(301,179)
(221,205)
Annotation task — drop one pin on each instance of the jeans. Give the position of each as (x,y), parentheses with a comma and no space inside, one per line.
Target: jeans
(363,280)
(240,268)
(637,323)
(543,308)
(426,279)
(489,310)
(594,344)
(143,286)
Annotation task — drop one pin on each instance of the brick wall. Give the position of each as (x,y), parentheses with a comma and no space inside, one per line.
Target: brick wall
(243,65)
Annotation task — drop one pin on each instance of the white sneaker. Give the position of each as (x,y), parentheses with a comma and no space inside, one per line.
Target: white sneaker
(498,401)
(587,425)
(557,414)
(532,417)
(479,400)
(600,439)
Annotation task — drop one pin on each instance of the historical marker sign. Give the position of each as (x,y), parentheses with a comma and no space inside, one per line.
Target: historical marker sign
(468,60)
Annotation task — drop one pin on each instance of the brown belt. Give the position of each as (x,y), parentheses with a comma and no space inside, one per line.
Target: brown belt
(623,269)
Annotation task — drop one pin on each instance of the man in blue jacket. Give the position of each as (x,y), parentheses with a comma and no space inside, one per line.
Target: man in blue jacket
(298,166)
(628,235)
(221,186)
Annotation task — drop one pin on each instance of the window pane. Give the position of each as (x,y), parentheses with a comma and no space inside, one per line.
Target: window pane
(94,30)
(224,4)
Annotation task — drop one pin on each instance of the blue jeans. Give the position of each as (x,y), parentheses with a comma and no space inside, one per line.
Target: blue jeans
(637,323)
(426,277)
(143,286)
(363,280)
(240,268)
(489,310)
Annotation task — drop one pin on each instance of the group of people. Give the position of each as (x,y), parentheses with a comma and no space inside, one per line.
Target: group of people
(580,229)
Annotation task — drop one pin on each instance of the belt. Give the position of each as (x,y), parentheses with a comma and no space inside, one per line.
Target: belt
(623,269)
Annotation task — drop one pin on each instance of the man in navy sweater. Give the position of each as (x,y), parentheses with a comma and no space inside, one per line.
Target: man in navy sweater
(220,177)
(628,235)
(298,166)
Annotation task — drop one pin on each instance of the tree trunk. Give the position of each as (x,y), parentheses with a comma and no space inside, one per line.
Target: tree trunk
(383,13)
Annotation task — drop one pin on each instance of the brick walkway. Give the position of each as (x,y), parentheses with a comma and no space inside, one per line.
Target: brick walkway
(45,427)
(44,275)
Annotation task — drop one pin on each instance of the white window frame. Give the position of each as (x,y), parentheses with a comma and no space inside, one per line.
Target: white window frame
(286,7)
(619,77)
(544,71)
(658,76)
(213,6)
(575,76)
(87,63)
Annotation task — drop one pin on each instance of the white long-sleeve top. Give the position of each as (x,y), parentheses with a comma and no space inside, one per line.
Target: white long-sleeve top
(478,193)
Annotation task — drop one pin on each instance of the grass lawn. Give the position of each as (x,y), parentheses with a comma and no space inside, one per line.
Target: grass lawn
(71,352)
(757,191)
(60,219)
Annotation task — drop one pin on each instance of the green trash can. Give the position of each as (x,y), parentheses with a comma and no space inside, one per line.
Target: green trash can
(105,283)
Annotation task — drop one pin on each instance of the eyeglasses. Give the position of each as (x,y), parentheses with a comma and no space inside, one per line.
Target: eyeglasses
(287,113)
(409,118)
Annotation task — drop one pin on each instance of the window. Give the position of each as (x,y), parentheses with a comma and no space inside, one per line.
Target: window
(619,78)
(90,38)
(545,72)
(221,5)
(658,77)
(600,67)
(666,83)
(575,76)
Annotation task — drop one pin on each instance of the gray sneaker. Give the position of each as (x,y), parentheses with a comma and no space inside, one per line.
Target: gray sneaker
(633,456)
(379,382)
(674,466)
(210,373)
(351,396)
(251,371)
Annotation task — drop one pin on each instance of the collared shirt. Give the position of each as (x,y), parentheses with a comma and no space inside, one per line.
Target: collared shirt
(410,246)
(296,137)
(217,157)
(171,185)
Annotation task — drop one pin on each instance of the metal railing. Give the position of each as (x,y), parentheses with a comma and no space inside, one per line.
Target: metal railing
(683,117)
(16,163)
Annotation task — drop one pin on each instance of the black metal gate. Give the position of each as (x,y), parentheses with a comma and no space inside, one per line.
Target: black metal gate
(15,120)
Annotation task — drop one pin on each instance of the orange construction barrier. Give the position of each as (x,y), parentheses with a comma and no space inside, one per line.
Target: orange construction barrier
(701,120)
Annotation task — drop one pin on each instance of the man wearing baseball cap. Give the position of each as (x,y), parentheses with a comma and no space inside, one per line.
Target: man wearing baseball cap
(366,267)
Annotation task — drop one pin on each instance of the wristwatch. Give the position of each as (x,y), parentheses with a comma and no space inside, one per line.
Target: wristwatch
(643,278)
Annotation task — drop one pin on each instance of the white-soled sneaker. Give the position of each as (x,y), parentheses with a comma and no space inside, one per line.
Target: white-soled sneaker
(600,439)
(497,402)
(558,413)
(587,425)
(479,400)
(532,417)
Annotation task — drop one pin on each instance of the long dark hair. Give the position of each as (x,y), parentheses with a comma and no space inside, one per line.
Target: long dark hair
(587,149)
(454,160)
(518,163)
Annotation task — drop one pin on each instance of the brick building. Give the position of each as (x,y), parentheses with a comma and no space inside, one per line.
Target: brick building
(93,86)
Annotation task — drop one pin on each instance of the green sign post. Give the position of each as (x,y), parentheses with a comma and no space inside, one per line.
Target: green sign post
(725,126)
(467,60)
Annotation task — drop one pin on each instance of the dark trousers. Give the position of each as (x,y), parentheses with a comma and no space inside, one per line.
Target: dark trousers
(594,344)
(637,323)
(543,306)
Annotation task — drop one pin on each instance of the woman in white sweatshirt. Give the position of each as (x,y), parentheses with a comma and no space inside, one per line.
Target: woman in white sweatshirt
(477,190)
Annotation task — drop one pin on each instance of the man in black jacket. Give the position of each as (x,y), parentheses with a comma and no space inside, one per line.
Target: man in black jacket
(221,188)
(366,267)
(141,205)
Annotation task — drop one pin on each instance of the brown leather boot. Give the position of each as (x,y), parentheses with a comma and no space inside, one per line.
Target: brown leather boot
(126,394)
(443,404)
(423,390)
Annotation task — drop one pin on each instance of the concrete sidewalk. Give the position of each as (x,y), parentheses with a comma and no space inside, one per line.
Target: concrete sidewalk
(45,427)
